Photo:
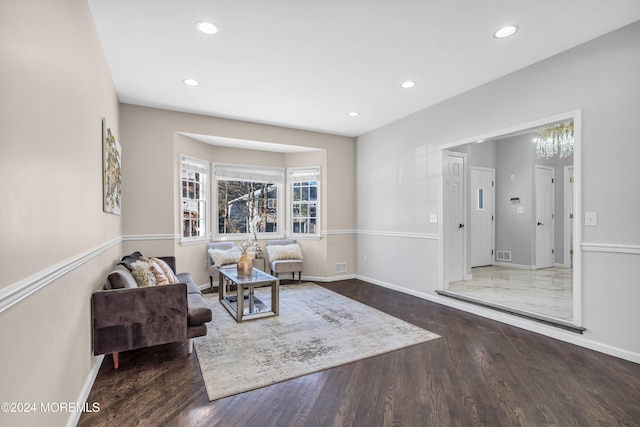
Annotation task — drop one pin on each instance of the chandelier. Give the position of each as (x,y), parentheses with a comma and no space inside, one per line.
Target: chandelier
(555,138)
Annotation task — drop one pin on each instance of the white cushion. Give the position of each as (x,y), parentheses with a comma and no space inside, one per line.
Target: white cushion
(279,252)
(222,257)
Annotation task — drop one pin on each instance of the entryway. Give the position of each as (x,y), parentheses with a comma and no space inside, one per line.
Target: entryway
(509,226)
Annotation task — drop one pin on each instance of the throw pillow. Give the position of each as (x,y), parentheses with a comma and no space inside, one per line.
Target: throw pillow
(279,252)
(161,277)
(130,259)
(141,271)
(222,257)
(167,270)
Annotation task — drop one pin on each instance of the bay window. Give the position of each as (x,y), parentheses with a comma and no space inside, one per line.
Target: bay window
(248,200)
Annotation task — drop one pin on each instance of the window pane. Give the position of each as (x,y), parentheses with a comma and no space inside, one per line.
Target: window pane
(240,201)
(480,199)
(193,181)
(304,200)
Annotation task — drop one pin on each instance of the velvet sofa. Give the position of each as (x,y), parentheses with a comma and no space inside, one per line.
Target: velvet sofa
(128,316)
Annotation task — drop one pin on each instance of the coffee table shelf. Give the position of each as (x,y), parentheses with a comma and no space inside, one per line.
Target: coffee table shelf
(248,306)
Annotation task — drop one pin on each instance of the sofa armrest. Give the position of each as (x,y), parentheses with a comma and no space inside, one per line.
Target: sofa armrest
(127,319)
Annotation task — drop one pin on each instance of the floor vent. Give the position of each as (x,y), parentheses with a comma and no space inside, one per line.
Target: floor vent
(340,267)
(503,256)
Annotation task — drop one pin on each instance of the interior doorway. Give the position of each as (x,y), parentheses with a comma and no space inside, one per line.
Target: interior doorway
(526,235)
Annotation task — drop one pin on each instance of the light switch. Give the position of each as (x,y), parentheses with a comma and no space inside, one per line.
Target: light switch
(591,219)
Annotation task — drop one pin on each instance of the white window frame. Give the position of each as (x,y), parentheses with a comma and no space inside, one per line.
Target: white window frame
(225,171)
(299,175)
(194,165)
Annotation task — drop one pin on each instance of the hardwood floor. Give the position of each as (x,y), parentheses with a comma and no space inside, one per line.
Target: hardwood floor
(479,373)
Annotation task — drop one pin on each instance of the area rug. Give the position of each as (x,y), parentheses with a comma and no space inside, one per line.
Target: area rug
(317,329)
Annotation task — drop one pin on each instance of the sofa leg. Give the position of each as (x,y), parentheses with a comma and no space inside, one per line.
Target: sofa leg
(190,345)
(211,282)
(116,360)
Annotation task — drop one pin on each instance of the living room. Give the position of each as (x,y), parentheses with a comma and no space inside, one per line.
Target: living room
(58,244)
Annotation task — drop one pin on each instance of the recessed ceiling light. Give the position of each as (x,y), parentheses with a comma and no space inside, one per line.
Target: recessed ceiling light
(408,85)
(190,82)
(505,31)
(353,114)
(207,27)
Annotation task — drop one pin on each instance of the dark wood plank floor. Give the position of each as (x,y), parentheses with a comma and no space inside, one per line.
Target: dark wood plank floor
(480,373)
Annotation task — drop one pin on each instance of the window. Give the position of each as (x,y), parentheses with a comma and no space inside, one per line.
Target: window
(305,205)
(193,177)
(480,199)
(246,194)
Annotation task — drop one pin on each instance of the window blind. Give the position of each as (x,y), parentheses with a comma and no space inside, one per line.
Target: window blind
(240,173)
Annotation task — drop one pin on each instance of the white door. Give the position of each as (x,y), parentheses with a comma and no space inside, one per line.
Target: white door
(544,216)
(454,210)
(482,220)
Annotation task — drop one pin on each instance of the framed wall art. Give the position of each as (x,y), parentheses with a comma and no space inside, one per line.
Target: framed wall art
(111,168)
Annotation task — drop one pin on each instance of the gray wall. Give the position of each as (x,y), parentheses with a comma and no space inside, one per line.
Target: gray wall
(600,78)
(514,231)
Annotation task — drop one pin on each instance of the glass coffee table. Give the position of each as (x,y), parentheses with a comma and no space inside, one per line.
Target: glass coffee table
(245,307)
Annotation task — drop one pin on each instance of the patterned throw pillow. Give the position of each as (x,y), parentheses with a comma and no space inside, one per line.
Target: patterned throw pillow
(222,257)
(280,252)
(143,274)
(171,276)
(161,278)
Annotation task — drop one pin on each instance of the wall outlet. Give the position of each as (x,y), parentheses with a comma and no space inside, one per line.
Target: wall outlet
(591,219)
(433,218)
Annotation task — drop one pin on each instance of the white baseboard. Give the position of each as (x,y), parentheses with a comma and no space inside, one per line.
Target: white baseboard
(86,389)
(512,265)
(328,279)
(529,325)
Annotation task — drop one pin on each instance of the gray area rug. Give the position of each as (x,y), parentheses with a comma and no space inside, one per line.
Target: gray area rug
(317,329)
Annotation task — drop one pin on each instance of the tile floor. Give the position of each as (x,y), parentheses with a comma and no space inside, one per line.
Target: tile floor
(548,292)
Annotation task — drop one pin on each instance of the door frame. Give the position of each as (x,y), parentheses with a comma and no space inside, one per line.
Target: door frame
(576,116)
(569,209)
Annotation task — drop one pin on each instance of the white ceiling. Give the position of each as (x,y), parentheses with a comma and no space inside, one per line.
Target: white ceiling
(306,64)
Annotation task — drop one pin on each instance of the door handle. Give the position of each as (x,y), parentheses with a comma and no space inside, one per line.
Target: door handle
(461,226)
(539,224)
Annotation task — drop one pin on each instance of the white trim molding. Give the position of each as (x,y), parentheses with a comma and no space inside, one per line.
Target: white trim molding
(86,389)
(336,232)
(145,237)
(611,248)
(529,325)
(13,294)
(401,234)
(18,291)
